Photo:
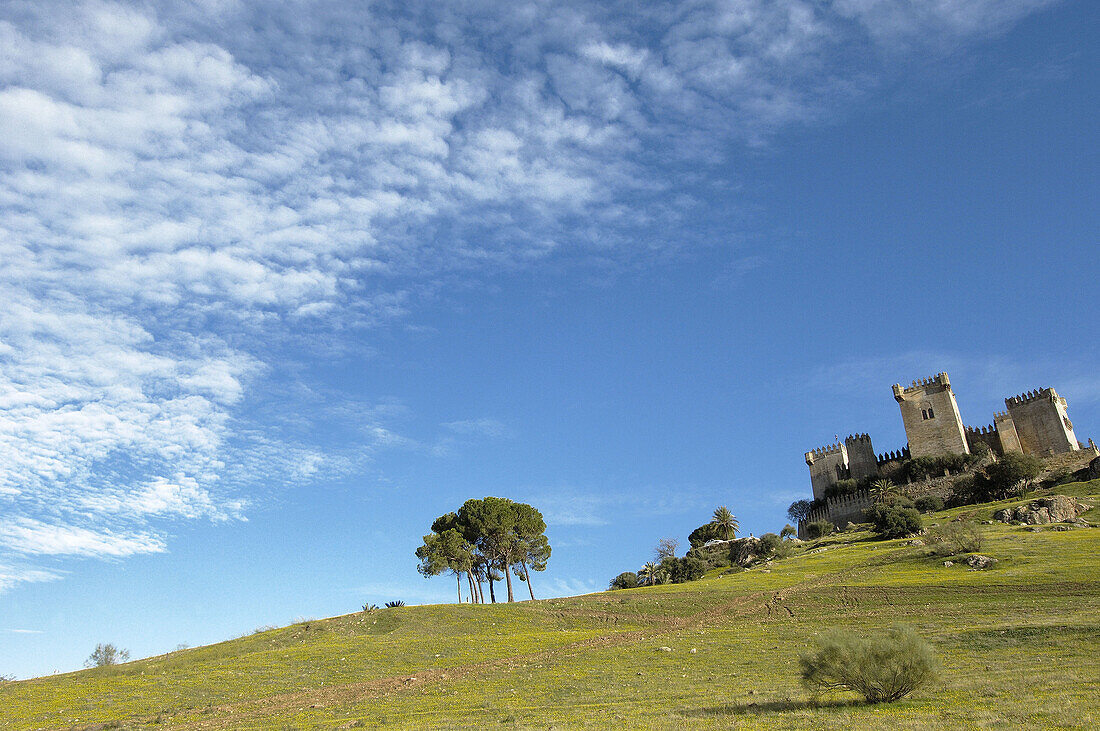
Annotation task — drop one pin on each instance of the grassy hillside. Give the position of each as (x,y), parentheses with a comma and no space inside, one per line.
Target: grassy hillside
(1019,644)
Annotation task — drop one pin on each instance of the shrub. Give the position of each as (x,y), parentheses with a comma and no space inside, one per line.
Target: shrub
(893,521)
(1005,478)
(922,468)
(395,604)
(711,557)
(106,654)
(679,570)
(818,529)
(962,489)
(1006,474)
(842,487)
(882,667)
(625,580)
(789,531)
(770,544)
(368,607)
(957,538)
(928,504)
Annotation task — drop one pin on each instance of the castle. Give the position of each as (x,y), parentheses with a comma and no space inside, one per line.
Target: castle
(1032,423)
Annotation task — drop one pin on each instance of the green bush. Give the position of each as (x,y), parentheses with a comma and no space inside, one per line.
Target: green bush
(818,529)
(789,531)
(1005,475)
(769,544)
(893,521)
(625,580)
(1005,478)
(962,490)
(679,570)
(710,557)
(957,537)
(841,488)
(882,666)
(922,468)
(928,504)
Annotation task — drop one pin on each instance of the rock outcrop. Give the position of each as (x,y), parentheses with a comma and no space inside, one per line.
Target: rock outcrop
(1053,509)
(980,562)
(1094,469)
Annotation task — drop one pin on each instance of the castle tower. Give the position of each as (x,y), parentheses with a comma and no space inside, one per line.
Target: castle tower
(827,466)
(1042,424)
(862,462)
(931,417)
(1006,432)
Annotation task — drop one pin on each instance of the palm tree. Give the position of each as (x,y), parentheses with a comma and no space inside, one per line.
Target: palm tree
(649,574)
(882,490)
(726,522)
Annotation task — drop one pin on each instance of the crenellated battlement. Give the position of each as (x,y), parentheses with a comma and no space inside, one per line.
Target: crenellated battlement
(858,438)
(983,430)
(940,379)
(820,452)
(1000,416)
(1029,396)
(894,456)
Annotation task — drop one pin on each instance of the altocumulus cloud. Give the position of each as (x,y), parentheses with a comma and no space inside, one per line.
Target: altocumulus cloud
(181,182)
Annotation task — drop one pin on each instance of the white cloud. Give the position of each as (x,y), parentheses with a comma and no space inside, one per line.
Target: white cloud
(29,536)
(11,576)
(182,187)
(484,427)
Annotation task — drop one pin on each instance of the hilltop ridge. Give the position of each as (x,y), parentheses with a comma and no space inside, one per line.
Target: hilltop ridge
(714,653)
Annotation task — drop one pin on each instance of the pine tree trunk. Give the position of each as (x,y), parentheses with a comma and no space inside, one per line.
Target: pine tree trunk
(527,578)
(492,592)
(508,580)
(470,586)
(458,580)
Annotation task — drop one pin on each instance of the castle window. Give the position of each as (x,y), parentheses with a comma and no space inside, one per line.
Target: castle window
(927,413)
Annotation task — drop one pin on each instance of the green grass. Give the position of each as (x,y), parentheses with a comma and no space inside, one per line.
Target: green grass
(1019,646)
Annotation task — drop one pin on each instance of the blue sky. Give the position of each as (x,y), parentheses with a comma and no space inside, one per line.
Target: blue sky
(284,281)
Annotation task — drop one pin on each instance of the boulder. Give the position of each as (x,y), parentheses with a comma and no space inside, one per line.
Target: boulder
(1053,509)
(980,562)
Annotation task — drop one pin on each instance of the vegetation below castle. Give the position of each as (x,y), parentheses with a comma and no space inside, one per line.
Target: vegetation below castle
(1016,644)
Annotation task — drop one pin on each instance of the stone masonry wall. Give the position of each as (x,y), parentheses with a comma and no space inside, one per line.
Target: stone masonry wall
(931,417)
(1041,422)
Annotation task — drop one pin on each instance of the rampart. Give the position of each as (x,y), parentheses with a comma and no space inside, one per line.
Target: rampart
(986,435)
